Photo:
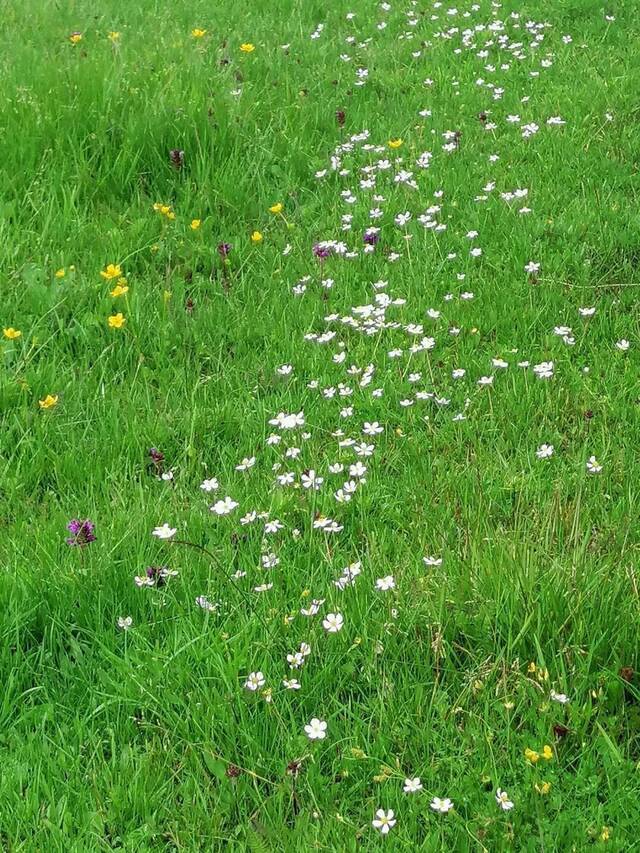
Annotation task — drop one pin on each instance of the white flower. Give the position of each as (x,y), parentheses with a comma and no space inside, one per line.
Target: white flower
(211,485)
(412,785)
(311,481)
(372,428)
(255,681)
(532,267)
(623,345)
(432,561)
(562,698)
(224,507)
(165,532)
(316,729)
(313,608)
(247,462)
(203,602)
(384,821)
(544,451)
(502,799)
(286,479)
(386,583)
(357,470)
(125,622)
(284,421)
(485,380)
(544,370)
(441,805)
(291,683)
(593,466)
(296,660)
(333,622)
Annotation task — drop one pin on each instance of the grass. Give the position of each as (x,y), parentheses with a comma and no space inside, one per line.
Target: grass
(146,739)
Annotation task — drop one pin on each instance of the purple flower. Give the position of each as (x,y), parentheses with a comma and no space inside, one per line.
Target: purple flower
(224,249)
(156,455)
(155,576)
(176,156)
(82,532)
(370,238)
(322,251)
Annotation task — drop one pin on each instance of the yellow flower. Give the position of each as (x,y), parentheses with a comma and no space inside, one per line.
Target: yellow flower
(74,38)
(49,401)
(60,273)
(276,208)
(112,271)
(167,295)
(116,321)
(11,334)
(547,752)
(543,789)
(120,289)
(197,33)
(531,667)
(171,215)
(531,755)
(195,224)
(247,47)
(394,143)
(256,237)
(605,835)
(113,36)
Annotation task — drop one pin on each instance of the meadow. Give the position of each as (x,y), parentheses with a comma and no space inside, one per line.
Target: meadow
(319,412)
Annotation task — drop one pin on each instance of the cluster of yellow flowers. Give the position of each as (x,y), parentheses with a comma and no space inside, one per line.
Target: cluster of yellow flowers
(533,756)
(164,210)
(111,271)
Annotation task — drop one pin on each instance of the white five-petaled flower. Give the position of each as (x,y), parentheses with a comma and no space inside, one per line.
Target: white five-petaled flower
(224,506)
(125,622)
(386,583)
(384,821)
(310,480)
(562,698)
(255,681)
(333,622)
(593,466)
(544,451)
(247,462)
(316,729)
(441,805)
(211,485)
(412,785)
(164,532)
(623,345)
(502,799)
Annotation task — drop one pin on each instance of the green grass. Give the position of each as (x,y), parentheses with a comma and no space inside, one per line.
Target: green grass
(128,740)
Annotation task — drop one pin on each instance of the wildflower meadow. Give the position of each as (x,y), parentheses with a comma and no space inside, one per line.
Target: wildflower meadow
(320,425)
